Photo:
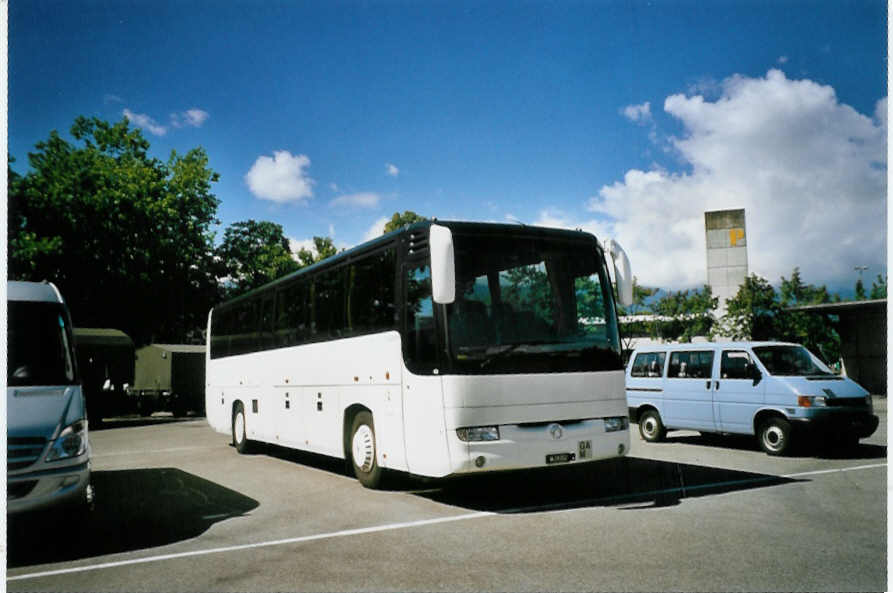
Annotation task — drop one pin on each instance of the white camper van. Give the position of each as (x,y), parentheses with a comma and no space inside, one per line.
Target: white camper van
(48,453)
(773,390)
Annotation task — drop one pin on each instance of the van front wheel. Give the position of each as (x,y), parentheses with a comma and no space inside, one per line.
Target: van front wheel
(775,436)
(650,426)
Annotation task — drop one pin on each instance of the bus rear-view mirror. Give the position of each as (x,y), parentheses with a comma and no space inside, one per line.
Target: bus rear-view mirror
(443,265)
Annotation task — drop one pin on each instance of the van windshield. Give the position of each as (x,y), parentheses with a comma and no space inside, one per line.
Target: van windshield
(39,346)
(792,361)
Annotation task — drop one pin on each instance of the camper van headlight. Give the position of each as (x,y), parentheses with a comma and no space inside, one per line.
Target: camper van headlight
(812,401)
(478,433)
(616,423)
(72,442)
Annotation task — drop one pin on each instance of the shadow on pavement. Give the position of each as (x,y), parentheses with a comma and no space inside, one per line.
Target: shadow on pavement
(135,509)
(615,482)
(811,447)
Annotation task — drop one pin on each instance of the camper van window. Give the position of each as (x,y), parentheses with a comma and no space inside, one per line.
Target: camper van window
(648,364)
(690,365)
(733,364)
(38,345)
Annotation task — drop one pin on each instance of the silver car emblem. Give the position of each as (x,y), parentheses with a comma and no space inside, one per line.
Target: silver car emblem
(556,431)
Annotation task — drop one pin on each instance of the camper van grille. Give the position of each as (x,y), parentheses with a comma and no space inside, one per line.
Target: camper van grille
(20,489)
(23,451)
(850,402)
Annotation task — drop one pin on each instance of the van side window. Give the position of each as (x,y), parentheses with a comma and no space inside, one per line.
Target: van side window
(648,364)
(691,365)
(733,364)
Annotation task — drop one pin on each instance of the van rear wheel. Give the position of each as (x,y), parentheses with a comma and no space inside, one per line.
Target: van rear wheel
(650,426)
(775,436)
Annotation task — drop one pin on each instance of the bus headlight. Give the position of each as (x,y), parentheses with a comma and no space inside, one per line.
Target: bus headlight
(812,401)
(616,423)
(478,433)
(72,442)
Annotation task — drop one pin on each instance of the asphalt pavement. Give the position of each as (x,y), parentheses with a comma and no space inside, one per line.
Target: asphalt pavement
(179,510)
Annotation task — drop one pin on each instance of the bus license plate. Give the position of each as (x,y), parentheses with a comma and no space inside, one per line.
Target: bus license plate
(585,449)
(560,458)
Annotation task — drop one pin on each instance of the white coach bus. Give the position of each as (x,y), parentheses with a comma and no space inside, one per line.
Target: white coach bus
(442,348)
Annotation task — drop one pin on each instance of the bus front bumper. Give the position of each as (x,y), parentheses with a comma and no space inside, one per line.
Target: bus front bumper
(525,446)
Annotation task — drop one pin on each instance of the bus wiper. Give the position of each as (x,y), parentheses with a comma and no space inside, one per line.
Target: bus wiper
(509,348)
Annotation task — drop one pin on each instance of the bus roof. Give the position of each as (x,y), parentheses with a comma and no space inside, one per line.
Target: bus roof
(457,226)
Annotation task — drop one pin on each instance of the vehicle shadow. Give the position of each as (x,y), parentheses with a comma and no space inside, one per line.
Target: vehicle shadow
(812,447)
(134,509)
(619,483)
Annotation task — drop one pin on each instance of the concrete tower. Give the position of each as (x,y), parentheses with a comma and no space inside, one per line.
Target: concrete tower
(726,254)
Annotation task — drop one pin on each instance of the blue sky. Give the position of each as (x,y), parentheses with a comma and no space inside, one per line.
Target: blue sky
(628,119)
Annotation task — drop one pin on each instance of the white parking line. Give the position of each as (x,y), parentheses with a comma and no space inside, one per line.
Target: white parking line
(376,529)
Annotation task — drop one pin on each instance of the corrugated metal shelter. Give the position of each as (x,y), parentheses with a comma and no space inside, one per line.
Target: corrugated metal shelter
(106,363)
(862,326)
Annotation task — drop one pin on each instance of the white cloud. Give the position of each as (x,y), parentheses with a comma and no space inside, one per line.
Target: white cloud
(783,59)
(191,117)
(809,171)
(144,121)
(360,200)
(281,178)
(392,170)
(638,113)
(376,230)
(297,244)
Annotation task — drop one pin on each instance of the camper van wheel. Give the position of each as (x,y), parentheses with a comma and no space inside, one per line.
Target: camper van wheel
(775,436)
(650,426)
(240,439)
(362,451)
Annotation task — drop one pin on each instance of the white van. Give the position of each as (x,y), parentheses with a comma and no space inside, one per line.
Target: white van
(48,452)
(773,390)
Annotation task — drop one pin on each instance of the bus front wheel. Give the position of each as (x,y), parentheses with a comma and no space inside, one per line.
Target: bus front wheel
(240,437)
(362,451)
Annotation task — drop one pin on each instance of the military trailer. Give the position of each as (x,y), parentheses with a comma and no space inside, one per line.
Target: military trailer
(170,377)
(105,360)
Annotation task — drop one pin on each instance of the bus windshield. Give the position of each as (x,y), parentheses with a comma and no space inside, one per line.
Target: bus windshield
(531,305)
(39,347)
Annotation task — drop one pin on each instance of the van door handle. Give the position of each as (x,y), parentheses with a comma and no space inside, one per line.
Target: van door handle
(708,385)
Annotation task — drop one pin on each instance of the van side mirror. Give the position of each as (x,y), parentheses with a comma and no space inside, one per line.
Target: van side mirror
(754,373)
(443,265)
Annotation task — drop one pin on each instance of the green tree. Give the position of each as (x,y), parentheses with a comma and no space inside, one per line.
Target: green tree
(752,314)
(812,330)
(125,236)
(640,295)
(690,314)
(400,220)
(860,290)
(322,246)
(879,288)
(253,253)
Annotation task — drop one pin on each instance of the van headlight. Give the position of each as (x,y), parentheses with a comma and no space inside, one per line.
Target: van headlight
(616,423)
(478,433)
(72,442)
(812,401)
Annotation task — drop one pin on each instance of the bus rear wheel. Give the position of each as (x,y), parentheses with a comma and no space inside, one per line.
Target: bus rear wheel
(362,451)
